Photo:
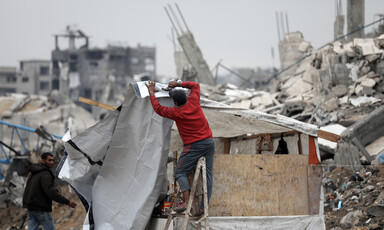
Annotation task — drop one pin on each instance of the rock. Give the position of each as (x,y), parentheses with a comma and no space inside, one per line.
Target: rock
(368,82)
(245,104)
(343,100)
(304,46)
(310,74)
(368,188)
(376,210)
(351,219)
(331,104)
(358,89)
(340,90)
(298,87)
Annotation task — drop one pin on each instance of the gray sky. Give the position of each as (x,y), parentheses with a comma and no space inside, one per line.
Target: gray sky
(240,32)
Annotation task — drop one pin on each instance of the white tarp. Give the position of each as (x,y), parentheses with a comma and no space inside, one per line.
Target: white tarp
(119,165)
(306,222)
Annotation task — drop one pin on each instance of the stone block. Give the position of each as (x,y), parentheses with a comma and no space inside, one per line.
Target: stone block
(368,82)
(245,104)
(340,90)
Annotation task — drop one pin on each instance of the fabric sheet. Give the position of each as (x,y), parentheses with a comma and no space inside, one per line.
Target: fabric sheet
(118,166)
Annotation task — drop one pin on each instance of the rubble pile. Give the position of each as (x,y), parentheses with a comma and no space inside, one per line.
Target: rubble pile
(331,85)
(354,199)
(56,113)
(14,217)
(336,85)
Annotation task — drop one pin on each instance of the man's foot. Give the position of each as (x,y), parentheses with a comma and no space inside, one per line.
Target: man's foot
(181,207)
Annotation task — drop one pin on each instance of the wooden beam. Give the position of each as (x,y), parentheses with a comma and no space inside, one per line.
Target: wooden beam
(227,145)
(96,103)
(328,136)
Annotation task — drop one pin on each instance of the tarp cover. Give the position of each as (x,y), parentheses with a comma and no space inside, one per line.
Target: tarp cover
(118,166)
(314,222)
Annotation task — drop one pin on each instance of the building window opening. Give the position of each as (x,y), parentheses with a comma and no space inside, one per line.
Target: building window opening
(149,65)
(44,85)
(44,70)
(25,79)
(11,79)
(134,60)
(94,55)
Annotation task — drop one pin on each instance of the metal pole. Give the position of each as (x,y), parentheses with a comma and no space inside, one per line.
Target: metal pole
(170,19)
(181,15)
(286,21)
(278,27)
(176,19)
(282,21)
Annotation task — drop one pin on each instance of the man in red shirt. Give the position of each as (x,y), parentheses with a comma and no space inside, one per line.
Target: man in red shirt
(194,131)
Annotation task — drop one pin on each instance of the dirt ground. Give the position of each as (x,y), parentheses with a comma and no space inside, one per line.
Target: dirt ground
(65,217)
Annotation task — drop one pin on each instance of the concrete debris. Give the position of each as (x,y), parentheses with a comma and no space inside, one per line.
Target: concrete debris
(347,79)
(354,199)
(361,101)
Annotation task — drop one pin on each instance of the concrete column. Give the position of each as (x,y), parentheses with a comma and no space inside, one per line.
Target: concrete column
(355,18)
(338,26)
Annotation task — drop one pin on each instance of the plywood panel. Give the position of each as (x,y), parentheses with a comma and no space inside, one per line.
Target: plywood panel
(259,185)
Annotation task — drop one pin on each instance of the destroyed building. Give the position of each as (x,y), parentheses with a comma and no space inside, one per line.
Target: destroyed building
(335,92)
(89,72)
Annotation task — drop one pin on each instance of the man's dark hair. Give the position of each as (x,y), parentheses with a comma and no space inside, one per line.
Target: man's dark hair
(179,96)
(45,155)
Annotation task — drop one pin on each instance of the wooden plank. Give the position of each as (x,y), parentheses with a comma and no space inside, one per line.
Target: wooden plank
(227,145)
(259,185)
(96,103)
(328,136)
(315,176)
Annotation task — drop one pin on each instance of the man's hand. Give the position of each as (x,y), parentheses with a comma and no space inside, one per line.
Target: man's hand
(151,87)
(72,204)
(174,84)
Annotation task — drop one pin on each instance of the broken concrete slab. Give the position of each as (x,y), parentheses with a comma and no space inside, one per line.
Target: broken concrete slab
(358,89)
(368,82)
(375,147)
(351,219)
(297,87)
(308,74)
(330,146)
(304,46)
(363,100)
(340,90)
(263,100)
(366,46)
(331,104)
(245,104)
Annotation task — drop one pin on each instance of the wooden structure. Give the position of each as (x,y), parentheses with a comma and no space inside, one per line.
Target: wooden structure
(201,166)
(261,185)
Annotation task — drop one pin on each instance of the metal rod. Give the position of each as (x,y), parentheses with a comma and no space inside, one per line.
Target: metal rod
(282,21)
(278,26)
(25,128)
(13,133)
(245,79)
(5,154)
(176,18)
(286,21)
(182,17)
(170,19)
(21,141)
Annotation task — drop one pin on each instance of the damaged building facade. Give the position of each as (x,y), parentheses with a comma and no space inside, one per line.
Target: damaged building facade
(98,74)
(95,73)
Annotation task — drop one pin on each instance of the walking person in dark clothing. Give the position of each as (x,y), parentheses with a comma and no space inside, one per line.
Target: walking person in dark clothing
(39,193)
(194,130)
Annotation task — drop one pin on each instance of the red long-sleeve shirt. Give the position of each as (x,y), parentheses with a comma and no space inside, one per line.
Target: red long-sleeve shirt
(189,118)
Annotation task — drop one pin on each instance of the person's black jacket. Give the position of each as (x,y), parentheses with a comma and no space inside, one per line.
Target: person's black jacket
(40,190)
